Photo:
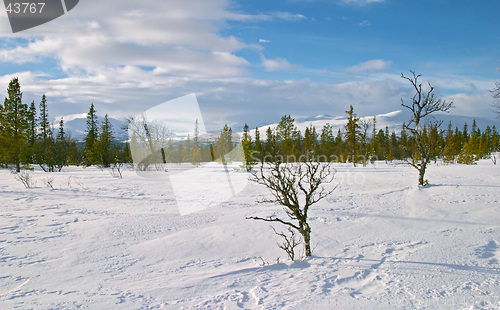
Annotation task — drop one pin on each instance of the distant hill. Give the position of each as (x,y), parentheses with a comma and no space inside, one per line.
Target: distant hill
(76,125)
(393,120)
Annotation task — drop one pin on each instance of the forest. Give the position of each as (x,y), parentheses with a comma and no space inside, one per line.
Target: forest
(28,138)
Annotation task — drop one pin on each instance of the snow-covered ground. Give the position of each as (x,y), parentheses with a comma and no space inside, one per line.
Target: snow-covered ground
(380,242)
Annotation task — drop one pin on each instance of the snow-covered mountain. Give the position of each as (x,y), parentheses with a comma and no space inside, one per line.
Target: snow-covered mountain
(393,120)
(76,125)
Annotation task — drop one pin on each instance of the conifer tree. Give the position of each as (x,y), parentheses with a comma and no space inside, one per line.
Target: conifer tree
(44,119)
(259,151)
(364,147)
(32,131)
(14,120)
(224,145)
(61,147)
(45,149)
(449,153)
(352,131)
(310,143)
(327,141)
(340,145)
(92,135)
(248,149)
(271,147)
(104,147)
(74,154)
(373,140)
(196,156)
(286,132)
(186,155)
(126,156)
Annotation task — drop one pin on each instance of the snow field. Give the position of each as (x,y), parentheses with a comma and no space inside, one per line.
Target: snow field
(380,242)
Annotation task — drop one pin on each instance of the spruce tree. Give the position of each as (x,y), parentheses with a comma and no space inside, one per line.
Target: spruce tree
(224,145)
(32,131)
(327,142)
(91,137)
(286,133)
(45,149)
(196,156)
(44,118)
(248,149)
(15,125)
(352,132)
(104,147)
(259,152)
(61,147)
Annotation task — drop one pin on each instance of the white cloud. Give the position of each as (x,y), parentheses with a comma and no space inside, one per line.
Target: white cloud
(288,16)
(127,57)
(277,64)
(365,23)
(176,37)
(370,66)
(264,41)
(360,2)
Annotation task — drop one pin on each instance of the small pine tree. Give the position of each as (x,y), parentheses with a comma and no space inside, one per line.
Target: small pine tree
(104,147)
(224,145)
(44,119)
(91,137)
(259,152)
(196,150)
(352,136)
(248,149)
(467,156)
(61,147)
(327,140)
(74,154)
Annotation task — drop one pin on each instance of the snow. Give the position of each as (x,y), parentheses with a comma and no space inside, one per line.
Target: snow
(380,242)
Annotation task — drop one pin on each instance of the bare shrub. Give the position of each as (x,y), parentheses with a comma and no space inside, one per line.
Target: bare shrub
(117,170)
(289,244)
(49,182)
(25,177)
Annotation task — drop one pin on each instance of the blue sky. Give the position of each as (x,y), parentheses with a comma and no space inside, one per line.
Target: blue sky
(253,61)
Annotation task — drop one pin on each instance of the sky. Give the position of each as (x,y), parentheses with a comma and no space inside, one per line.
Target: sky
(255,61)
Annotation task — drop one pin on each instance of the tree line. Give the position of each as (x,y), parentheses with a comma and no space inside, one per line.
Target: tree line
(361,142)
(27,137)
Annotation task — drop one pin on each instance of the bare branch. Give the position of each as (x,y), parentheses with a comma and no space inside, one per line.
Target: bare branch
(272,220)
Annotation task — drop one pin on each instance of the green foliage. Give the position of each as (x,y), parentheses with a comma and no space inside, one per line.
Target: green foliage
(28,138)
(352,136)
(14,118)
(103,149)
(224,145)
(90,152)
(248,149)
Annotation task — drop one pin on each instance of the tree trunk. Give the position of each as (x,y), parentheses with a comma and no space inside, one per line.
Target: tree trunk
(421,174)
(305,231)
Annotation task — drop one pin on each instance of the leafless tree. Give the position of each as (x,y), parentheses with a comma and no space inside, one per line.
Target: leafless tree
(364,125)
(290,242)
(295,186)
(422,125)
(149,139)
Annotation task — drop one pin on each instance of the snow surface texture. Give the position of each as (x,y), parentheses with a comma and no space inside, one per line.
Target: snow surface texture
(380,242)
